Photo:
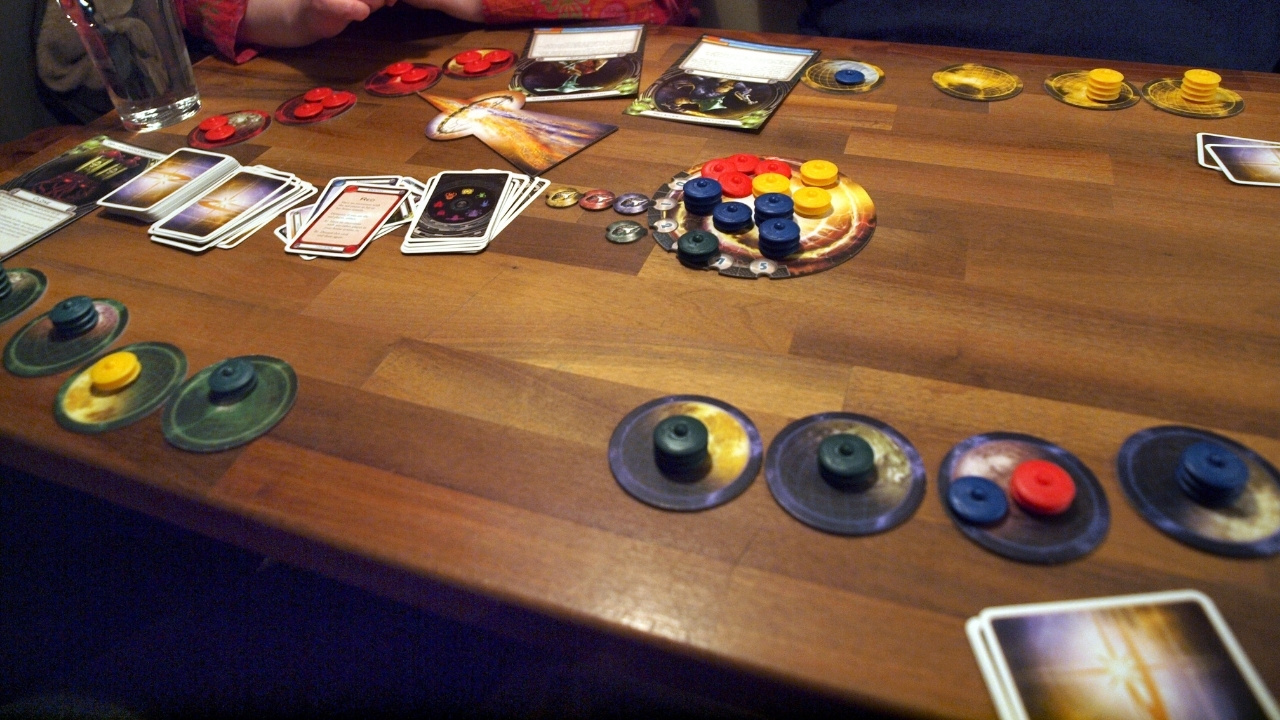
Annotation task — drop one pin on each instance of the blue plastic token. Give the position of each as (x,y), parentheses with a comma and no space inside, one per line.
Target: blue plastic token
(1211,474)
(731,217)
(977,500)
(774,205)
(701,195)
(849,76)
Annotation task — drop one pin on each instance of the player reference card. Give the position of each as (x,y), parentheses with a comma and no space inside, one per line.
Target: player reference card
(723,82)
(580,63)
(349,222)
(64,189)
(1248,164)
(1159,655)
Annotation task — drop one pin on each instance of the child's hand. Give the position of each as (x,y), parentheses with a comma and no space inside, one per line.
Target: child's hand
(472,10)
(294,23)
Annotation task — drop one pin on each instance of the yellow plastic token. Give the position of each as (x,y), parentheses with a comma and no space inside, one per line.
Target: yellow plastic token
(819,173)
(812,201)
(1103,85)
(1200,85)
(770,183)
(115,371)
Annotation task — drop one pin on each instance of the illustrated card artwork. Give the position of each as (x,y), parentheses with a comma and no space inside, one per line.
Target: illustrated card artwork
(1166,655)
(1203,139)
(532,141)
(239,194)
(164,179)
(580,63)
(726,83)
(349,222)
(1248,164)
(462,206)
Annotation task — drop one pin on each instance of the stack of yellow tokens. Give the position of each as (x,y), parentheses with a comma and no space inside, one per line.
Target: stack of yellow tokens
(1200,86)
(819,173)
(115,372)
(812,202)
(770,183)
(1103,85)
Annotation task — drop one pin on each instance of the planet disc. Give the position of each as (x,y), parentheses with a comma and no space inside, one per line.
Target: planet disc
(733,446)
(38,349)
(822,76)
(26,286)
(1069,86)
(1021,535)
(1166,94)
(983,83)
(1247,527)
(792,470)
(199,421)
(80,407)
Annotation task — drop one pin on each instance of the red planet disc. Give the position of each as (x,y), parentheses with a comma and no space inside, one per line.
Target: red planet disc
(1042,487)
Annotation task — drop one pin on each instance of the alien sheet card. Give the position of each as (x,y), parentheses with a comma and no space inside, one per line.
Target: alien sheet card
(580,63)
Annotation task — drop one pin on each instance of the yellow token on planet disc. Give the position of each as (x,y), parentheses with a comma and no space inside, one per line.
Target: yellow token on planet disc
(1103,85)
(812,201)
(770,183)
(115,371)
(819,173)
(1200,85)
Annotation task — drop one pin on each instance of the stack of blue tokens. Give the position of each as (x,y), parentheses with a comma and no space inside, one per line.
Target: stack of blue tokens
(770,206)
(779,238)
(977,500)
(701,196)
(1211,474)
(730,217)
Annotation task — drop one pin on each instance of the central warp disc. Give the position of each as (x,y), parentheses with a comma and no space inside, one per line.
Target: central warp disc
(1019,534)
(732,447)
(200,418)
(887,497)
(1246,526)
(80,407)
(40,349)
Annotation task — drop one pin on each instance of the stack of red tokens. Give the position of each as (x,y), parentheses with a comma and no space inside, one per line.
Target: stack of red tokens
(217,128)
(315,105)
(1042,487)
(228,129)
(402,78)
(734,173)
(479,63)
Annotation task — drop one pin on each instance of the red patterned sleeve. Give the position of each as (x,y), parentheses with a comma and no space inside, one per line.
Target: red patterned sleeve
(658,12)
(217,21)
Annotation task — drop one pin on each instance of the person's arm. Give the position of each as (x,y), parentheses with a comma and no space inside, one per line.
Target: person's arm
(659,12)
(232,25)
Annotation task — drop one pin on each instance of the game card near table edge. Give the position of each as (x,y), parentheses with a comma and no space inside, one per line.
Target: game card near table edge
(580,63)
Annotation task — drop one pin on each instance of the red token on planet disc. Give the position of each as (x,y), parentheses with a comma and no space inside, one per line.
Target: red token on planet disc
(773,166)
(317,94)
(398,68)
(337,100)
(497,57)
(212,122)
(469,56)
(219,133)
(735,184)
(308,109)
(414,75)
(715,168)
(745,163)
(1042,487)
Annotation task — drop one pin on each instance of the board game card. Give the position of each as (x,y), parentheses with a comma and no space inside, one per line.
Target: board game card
(1248,164)
(1167,655)
(1203,139)
(49,197)
(581,62)
(349,222)
(171,182)
(724,82)
(462,207)
(218,210)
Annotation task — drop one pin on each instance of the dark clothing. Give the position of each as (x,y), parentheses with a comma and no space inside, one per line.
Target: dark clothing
(1237,34)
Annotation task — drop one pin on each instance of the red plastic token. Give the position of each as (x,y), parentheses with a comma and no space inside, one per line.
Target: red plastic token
(210,123)
(735,184)
(338,100)
(415,75)
(773,166)
(317,94)
(469,56)
(715,168)
(398,68)
(308,109)
(745,163)
(222,132)
(1041,487)
(476,67)
(497,57)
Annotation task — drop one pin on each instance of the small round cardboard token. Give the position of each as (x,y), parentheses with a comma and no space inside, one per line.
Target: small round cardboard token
(597,199)
(624,232)
(665,225)
(563,197)
(665,204)
(631,204)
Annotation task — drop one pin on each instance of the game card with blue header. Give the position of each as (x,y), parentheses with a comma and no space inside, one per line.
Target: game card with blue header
(728,83)
(580,63)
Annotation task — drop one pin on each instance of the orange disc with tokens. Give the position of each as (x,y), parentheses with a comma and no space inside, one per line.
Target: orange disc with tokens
(773,166)
(469,56)
(735,184)
(398,68)
(317,94)
(715,168)
(221,132)
(497,57)
(210,123)
(476,66)
(1042,487)
(308,109)
(338,99)
(745,163)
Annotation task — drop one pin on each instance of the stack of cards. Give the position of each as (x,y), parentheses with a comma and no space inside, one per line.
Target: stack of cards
(1160,655)
(1243,160)
(170,184)
(464,211)
(233,210)
(349,214)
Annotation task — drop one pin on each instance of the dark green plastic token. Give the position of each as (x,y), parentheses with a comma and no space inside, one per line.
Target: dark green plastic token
(232,379)
(74,316)
(680,443)
(45,348)
(698,247)
(218,408)
(846,460)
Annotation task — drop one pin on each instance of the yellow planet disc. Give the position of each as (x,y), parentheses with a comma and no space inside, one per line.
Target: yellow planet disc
(770,183)
(812,201)
(819,173)
(115,371)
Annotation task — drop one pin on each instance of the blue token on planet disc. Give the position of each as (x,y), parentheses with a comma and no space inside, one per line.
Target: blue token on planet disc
(977,500)
(849,76)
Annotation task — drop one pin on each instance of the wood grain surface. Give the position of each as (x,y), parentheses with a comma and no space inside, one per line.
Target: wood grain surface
(1037,268)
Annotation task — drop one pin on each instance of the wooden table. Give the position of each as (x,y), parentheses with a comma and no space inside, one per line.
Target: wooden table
(1037,268)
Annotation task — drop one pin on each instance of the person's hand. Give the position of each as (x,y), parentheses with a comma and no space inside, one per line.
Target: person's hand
(471,10)
(293,23)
